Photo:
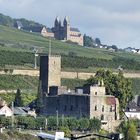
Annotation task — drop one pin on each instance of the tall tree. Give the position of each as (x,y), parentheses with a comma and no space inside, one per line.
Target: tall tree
(116,84)
(18,99)
(40,98)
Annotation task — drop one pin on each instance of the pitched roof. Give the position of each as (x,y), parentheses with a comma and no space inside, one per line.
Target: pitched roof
(74,29)
(19,111)
(110,101)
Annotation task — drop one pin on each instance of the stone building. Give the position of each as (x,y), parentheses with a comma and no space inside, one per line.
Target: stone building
(88,101)
(63,32)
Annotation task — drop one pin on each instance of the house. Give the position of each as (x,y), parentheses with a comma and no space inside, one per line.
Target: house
(133,108)
(5,111)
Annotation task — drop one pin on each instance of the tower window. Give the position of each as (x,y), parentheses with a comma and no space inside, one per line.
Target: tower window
(102,117)
(95,107)
(111,109)
(103,108)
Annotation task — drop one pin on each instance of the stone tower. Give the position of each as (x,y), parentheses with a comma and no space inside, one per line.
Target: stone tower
(66,25)
(50,72)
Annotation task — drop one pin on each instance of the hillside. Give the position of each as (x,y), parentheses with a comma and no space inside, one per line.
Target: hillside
(17,49)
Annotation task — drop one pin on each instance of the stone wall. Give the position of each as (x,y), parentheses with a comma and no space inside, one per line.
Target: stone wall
(69,75)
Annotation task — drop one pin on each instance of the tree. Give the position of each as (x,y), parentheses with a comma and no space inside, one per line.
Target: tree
(97,41)
(88,41)
(18,99)
(94,124)
(116,85)
(128,128)
(40,98)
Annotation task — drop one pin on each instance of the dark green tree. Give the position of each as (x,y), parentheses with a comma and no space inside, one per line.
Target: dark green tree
(116,84)
(88,41)
(39,100)
(97,41)
(128,128)
(18,99)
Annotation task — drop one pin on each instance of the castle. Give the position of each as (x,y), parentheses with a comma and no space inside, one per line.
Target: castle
(88,101)
(63,32)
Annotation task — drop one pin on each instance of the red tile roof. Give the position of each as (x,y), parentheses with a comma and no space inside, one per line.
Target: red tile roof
(110,101)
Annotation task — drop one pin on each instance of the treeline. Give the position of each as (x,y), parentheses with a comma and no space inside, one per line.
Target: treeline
(24,23)
(51,123)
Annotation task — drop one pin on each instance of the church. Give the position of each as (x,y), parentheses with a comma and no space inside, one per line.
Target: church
(88,101)
(63,32)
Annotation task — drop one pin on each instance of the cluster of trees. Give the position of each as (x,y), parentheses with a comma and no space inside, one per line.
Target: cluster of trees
(116,85)
(129,129)
(51,123)
(23,122)
(26,24)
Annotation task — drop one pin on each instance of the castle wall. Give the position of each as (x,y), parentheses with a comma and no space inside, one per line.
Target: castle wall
(68,105)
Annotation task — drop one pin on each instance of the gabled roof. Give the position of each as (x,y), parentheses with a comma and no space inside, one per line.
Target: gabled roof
(19,111)
(110,101)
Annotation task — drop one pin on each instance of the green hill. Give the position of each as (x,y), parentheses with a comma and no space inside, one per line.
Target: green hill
(16,48)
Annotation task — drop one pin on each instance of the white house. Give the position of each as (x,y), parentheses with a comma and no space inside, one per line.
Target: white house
(5,111)
(133,109)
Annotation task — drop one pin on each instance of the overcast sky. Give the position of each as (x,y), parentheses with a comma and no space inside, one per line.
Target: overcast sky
(115,22)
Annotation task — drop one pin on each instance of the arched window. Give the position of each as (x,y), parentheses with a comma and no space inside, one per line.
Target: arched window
(95,93)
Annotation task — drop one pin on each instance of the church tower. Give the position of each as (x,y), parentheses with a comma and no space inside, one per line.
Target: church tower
(66,25)
(57,26)
(50,72)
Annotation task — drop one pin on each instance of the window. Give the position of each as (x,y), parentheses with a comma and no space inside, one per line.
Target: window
(95,107)
(102,117)
(95,93)
(111,109)
(103,108)
(71,108)
(65,108)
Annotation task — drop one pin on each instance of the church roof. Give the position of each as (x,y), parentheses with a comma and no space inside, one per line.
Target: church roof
(49,30)
(74,29)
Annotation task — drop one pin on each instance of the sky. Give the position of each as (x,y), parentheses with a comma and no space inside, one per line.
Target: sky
(115,22)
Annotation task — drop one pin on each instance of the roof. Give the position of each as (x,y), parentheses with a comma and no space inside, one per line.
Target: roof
(110,100)
(19,111)
(74,29)
(132,107)
(49,30)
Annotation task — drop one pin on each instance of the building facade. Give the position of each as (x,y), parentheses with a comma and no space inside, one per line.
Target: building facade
(63,32)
